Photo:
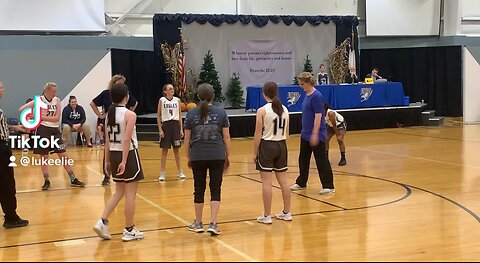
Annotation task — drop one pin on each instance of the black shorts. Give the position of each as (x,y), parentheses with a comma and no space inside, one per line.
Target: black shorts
(342,126)
(272,156)
(100,122)
(133,168)
(48,132)
(171,135)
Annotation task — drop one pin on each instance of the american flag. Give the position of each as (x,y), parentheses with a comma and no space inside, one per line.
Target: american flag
(181,70)
(352,62)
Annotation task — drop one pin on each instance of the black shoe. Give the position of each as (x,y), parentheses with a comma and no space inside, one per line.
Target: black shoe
(106,180)
(46,185)
(342,162)
(77,183)
(18,223)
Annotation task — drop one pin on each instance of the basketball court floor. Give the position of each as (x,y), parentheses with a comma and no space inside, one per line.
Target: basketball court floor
(406,194)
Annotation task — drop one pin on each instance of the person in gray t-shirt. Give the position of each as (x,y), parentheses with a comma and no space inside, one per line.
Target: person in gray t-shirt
(207,142)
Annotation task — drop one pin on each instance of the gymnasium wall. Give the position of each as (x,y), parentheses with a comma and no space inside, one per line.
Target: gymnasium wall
(471,91)
(28,62)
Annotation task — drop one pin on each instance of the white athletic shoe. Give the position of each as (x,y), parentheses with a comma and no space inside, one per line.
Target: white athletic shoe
(181,175)
(296,187)
(283,216)
(102,230)
(162,177)
(327,191)
(132,235)
(264,219)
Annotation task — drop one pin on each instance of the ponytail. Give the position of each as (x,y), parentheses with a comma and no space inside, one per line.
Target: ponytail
(203,111)
(111,115)
(277,106)
(205,94)
(270,90)
(118,92)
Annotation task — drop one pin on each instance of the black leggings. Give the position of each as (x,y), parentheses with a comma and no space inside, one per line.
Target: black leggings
(200,168)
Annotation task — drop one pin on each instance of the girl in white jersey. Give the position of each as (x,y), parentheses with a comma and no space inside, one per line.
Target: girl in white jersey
(169,120)
(123,162)
(49,128)
(336,125)
(270,151)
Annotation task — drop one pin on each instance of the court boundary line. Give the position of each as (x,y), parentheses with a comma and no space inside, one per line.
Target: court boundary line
(405,196)
(345,173)
(181,220)
(339,209)
(475,216)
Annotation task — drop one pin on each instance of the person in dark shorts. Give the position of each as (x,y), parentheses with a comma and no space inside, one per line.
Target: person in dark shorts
(270,151)
(104,101)
(49,128)
(336,125)
(101,130)
(207,144)
(169,120)
(123,162)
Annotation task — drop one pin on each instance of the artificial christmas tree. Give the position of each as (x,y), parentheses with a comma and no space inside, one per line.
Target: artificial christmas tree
(210,75)
(307,67)
(234,92)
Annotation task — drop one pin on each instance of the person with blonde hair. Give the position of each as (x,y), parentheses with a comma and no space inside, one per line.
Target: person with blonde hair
(104,101)
(313,137)
(49,128)
(352,78)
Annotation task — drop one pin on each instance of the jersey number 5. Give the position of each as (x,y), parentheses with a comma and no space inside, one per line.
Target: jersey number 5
(279,123)
(113,132)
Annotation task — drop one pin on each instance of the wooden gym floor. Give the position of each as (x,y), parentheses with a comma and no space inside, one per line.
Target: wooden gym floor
(406,194)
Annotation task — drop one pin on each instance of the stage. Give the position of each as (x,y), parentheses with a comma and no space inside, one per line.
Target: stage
(242,123)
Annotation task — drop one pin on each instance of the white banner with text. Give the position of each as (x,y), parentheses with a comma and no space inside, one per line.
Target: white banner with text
(260,61)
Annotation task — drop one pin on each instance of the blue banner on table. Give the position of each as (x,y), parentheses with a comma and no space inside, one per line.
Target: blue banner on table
(349,96)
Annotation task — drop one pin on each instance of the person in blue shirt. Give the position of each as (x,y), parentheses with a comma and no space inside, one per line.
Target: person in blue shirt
(313,137)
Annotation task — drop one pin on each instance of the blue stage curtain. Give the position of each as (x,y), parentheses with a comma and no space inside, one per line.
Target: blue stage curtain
(166,24)
(166,30)
(260,21)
